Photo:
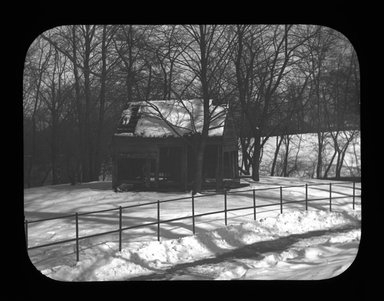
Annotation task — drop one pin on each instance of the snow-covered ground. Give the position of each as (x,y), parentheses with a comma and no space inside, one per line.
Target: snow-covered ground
(303,150)
(296,244)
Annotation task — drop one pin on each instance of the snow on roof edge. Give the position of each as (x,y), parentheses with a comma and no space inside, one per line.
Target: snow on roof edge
(184,118)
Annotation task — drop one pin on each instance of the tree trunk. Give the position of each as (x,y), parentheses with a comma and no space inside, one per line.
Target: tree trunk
(130,72)
(54,118)
(170,82)
(79,109)
(285,164)
(320,140)
(295,167)
(54,159)
(199,161)
(100,127)
(330,164)
(278,144)
(200,149)
(54,148)
(244,83)
(87,163)
(336,151)
(206,115)
(256,156)
(342,155)
(338,166)
(357,158)
(245,155)
(33,154)
(341,163)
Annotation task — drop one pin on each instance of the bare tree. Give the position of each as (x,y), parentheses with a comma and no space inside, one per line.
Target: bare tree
(54,96)
(282,77)
(335,90)
(34,73)
(264,58)
(106,66)
(318,49)
(86,47)
(279,140)
(206,56)
(165,50)
(130,44)
(202,55)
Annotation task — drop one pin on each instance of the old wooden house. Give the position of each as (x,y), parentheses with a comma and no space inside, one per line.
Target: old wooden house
(151,147)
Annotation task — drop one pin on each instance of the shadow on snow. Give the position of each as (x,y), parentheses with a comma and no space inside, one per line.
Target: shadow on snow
(253,251)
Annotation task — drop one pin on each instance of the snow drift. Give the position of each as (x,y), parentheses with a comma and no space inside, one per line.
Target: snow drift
(207,252)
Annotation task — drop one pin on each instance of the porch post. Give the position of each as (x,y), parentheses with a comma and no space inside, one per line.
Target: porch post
(157,162)
(114,171)
(236,156)
(232,164)
(184,168)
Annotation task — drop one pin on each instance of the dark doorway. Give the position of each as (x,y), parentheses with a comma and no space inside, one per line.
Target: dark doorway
(169,165)
(131,169)
(210,161)
(230,164)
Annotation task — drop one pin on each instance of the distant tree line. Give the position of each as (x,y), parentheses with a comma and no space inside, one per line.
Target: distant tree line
(276,79)
(295,155)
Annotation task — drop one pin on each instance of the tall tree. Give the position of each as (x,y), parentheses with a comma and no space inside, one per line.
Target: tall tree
(319,47)
(78,79)
(33,73)
(80,44)
(54,95)
(165,51)
(263,59)
(130,45)
(106,66)
(204,58)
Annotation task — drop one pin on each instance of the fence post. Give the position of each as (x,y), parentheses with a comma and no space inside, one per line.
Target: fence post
(281,199)
(353,196)
(254,205)
(330,196)
(158,220)
(120,226)
(225,206)
(26,232)
(193,214)
(77,236)
(306,197)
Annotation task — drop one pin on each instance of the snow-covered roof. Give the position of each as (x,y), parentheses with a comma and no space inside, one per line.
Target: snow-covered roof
(169,118)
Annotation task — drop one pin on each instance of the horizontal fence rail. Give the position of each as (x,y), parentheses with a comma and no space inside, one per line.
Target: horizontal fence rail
(225,210)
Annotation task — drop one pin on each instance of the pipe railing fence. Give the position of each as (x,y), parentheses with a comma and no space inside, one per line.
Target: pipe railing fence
(159,221)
